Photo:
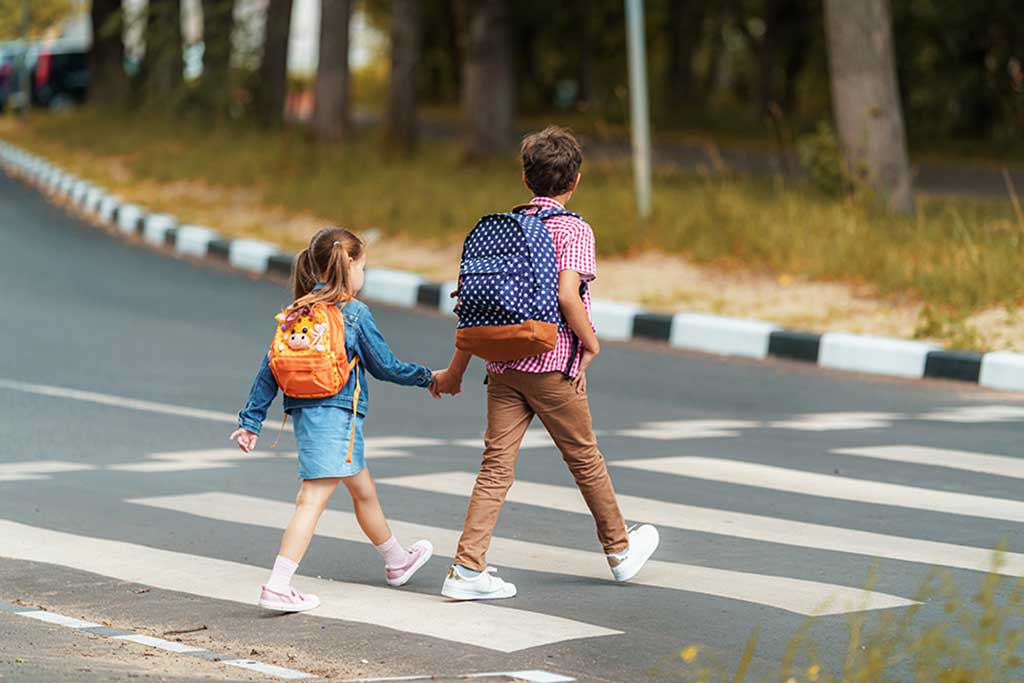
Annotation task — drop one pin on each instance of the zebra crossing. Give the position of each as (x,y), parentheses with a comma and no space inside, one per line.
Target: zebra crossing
(505,628)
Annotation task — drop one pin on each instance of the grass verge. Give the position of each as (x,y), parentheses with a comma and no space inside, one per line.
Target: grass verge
(978,638)
(957,256)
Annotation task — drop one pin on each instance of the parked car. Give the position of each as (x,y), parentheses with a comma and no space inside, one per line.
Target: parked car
(8,72)
(60,74)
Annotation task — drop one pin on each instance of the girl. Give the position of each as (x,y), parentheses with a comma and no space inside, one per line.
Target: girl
(331,270)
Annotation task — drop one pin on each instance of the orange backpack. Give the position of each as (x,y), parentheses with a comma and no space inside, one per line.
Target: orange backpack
(308,356)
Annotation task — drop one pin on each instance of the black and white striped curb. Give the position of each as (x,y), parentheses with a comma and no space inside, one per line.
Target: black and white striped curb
(615,321)
(150,641)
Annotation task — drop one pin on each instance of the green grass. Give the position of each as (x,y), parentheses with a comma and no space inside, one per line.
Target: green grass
(956,255)
(975,638)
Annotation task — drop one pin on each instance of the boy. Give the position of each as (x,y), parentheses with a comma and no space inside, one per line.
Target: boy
(519,390)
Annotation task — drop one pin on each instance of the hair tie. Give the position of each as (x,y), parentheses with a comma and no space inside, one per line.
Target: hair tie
(336,243)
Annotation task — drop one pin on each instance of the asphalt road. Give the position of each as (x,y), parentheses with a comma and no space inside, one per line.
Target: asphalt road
(121,367)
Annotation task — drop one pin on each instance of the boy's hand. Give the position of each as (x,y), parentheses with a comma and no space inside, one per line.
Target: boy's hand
(587,357)
(246,439)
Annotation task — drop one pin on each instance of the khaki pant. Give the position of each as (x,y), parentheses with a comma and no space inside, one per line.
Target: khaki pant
(513,398)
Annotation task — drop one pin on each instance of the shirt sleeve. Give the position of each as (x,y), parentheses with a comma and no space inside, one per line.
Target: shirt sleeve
(577,252)
(381,362)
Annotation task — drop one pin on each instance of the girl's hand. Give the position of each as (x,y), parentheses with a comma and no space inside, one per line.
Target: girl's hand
(246,439)
(446,382)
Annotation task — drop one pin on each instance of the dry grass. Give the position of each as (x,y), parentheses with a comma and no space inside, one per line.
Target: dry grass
(729,245)
(976,638)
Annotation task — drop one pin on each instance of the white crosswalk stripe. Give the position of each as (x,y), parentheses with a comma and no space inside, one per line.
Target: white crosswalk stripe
(794,595)
(976,414)
(735,524)
(828,422)
(672,430)
(38,469)
(830,486)
(968,461)
(503,629)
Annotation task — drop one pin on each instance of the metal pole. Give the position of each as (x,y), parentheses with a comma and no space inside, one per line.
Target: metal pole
(640,124)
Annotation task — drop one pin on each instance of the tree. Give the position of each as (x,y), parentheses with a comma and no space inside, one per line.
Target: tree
(161,73)
(866,99)
(272,76)
(109,82)
(406,29)
(488,84)
(218,25)
(685,25)
(331,111)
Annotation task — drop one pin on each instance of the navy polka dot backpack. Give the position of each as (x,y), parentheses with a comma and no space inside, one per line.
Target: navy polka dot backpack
(508,286)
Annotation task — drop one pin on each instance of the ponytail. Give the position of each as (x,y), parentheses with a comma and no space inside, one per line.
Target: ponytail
(327,259)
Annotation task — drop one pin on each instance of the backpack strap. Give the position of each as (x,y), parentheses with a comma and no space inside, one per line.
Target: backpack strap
(575,341)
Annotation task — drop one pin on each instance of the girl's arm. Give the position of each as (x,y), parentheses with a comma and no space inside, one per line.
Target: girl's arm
(381,362)
(261,395)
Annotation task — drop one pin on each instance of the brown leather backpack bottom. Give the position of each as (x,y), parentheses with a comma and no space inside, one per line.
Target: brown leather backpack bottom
(507,342)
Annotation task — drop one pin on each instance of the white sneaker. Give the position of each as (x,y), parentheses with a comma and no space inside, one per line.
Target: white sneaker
(486,586)
(643,541)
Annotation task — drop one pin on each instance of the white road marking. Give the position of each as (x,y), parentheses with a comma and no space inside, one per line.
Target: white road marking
(396,446)
(534,438)
(183,461)
(121,402)
(60,619)
(827,422)
(793,595)
(268,669)
(532,676)
(975,414)
(969,461)
(503,629)
(159,643)
(688,429)
(736,524)
(27,470)
(830,486)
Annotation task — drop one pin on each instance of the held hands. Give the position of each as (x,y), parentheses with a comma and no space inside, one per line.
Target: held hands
(446,382)
(246,439)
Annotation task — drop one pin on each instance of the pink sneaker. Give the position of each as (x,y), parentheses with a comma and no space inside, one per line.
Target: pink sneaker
(290,601)
(416,557)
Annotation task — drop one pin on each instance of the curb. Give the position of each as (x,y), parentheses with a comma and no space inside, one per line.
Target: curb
(151,641)
(617,321)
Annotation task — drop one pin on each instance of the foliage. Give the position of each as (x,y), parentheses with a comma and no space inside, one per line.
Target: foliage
(822,160)
(956,255)
(975,639)
(43,15)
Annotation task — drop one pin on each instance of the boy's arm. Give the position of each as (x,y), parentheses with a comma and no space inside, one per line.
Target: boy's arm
(571,304)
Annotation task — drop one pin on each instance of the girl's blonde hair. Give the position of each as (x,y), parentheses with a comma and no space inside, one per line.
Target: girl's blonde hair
(326,260)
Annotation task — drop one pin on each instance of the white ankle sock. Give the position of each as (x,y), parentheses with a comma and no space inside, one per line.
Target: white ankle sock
(281,574)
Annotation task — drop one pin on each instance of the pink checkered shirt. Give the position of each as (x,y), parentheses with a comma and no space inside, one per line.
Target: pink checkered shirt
(574,250)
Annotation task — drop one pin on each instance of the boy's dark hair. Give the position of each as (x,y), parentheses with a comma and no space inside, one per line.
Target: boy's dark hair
(551,161)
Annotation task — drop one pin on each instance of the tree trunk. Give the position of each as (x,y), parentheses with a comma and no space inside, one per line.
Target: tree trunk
(488,88)
(218,25)
(866,99)
(406,30)
(331,89)
(685,27)
(106,59)
(161,75)
(272,85)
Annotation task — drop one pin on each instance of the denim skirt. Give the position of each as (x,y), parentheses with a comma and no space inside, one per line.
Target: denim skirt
(322,435)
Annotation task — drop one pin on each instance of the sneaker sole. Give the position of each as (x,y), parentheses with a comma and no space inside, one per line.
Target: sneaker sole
(509,592)
(404,578)
(287,607)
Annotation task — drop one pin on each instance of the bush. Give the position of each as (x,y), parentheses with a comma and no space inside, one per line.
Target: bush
(822,160)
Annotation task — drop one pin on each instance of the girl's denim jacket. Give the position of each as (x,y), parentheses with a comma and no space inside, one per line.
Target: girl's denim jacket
(362,339)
